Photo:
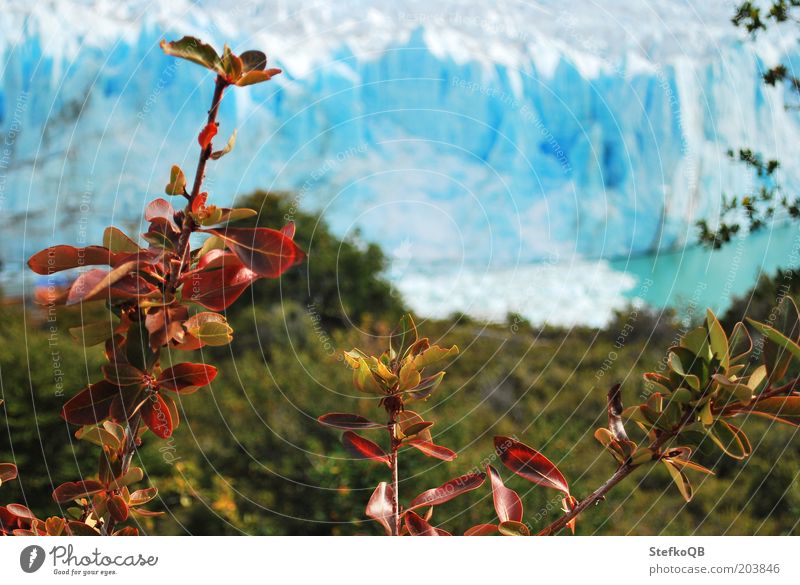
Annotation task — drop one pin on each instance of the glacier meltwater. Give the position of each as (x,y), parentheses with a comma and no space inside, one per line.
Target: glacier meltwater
(540,158)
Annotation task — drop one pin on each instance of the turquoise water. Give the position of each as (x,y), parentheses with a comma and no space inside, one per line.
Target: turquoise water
(711,278)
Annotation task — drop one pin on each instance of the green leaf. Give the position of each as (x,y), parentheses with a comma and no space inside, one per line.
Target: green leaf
(117,241)
(717,339)
(434,354)
(512,528)
(730,439)
(680,479)
(253,77)
(217,154)
(196,51)
(696,341)
(94,333)
(99,436)
(776,337)
(210,328)
(177,182)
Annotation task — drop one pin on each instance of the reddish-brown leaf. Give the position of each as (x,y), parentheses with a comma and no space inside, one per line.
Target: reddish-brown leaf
(76,528)
(160,209)
(448,490)
(530,464)
(127,403)
(156,415)
(381,506)
(363,448)
(118,508)
(432,450)
(58,258)
(122,374)
(8,471)
(417,526)
(785,409)
(116,284)
(75,490)
(90,405)
(217,289)
(269,253)
(507,503)
(348,421)
(187,377)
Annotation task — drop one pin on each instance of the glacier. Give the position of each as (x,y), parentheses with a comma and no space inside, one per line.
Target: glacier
(496,151)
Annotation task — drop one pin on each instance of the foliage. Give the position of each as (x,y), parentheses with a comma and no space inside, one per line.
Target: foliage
(710,382)
(770,198)
(144,308)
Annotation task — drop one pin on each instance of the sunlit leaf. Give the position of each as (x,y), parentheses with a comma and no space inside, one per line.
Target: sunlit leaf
(511,528)
(363,448)
(187,377)
(432,450)
(381,506)
(507,503)
(195,50)
(530,464)
(267,252)
(417,526)
(75,490)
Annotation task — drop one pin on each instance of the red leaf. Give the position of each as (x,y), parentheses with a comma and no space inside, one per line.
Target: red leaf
(160,209)
(127,403)
(784,409)
(530,464)
(381,506)
(157,417)
(58,258)
(90,405)
(417,526)
(206,134)
(268,253)
(117,284)
(217,289)
(507,503)
(432,450)
(199,202)
(8,471)
(20,511)
(448,490)
(75,490)
(186,378)
(347,421)
(118,508)
(288,230)
(481,530)
(363,448)
(122,374)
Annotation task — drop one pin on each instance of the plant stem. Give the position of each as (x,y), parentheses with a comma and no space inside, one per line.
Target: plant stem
(621,473)
(395,475)
(187,226)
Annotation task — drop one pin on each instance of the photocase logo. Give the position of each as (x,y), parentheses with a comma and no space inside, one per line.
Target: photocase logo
(31,558)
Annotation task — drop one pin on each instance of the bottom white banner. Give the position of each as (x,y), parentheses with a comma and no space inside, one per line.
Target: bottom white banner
(355,560)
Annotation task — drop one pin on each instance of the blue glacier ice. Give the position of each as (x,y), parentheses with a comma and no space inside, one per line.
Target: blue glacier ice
(519,151)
